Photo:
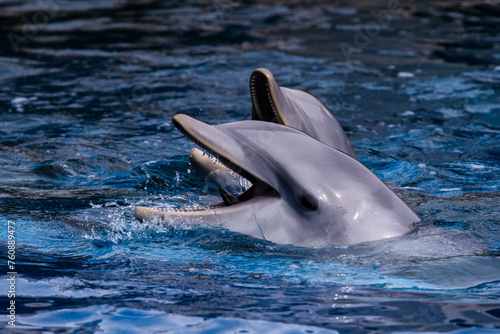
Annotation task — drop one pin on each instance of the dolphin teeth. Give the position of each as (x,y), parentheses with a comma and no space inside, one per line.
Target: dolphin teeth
(262,101)
(276,118)
(227,197)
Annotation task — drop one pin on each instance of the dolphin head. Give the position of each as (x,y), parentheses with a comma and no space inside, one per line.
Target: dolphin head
(297,109)
(303,192)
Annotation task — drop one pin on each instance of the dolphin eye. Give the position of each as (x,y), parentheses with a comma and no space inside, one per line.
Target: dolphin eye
(308,203)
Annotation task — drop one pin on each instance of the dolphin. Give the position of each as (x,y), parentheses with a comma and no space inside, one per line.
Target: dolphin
(291,107)
(303,192)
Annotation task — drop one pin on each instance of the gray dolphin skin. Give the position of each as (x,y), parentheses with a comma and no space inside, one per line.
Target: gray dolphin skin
(291,107)
(303,192)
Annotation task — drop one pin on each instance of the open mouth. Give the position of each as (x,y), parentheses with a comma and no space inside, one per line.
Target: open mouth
(258,188)
(263,105)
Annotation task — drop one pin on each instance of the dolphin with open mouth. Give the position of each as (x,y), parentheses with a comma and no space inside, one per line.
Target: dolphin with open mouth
(281,105)
(303,191)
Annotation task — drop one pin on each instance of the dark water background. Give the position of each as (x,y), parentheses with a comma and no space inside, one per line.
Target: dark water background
(87,89)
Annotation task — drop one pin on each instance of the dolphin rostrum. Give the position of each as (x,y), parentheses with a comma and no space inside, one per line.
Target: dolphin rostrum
(291,107)
(303,192)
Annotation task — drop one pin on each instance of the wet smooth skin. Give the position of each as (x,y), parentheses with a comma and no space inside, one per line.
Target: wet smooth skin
(304,192)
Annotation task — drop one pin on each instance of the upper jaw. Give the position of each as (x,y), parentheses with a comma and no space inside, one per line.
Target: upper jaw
(196,132)
(209,140)
(265,94)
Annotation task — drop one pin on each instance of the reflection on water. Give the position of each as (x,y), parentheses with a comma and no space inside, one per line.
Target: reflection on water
(88,89)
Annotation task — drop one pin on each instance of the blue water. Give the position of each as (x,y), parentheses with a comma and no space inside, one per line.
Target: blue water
(85,136)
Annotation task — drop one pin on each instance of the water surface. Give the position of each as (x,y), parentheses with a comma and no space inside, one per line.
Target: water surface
(86,96)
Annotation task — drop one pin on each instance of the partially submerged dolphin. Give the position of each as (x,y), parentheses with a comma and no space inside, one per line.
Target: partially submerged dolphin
(291,107)
(303,192)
